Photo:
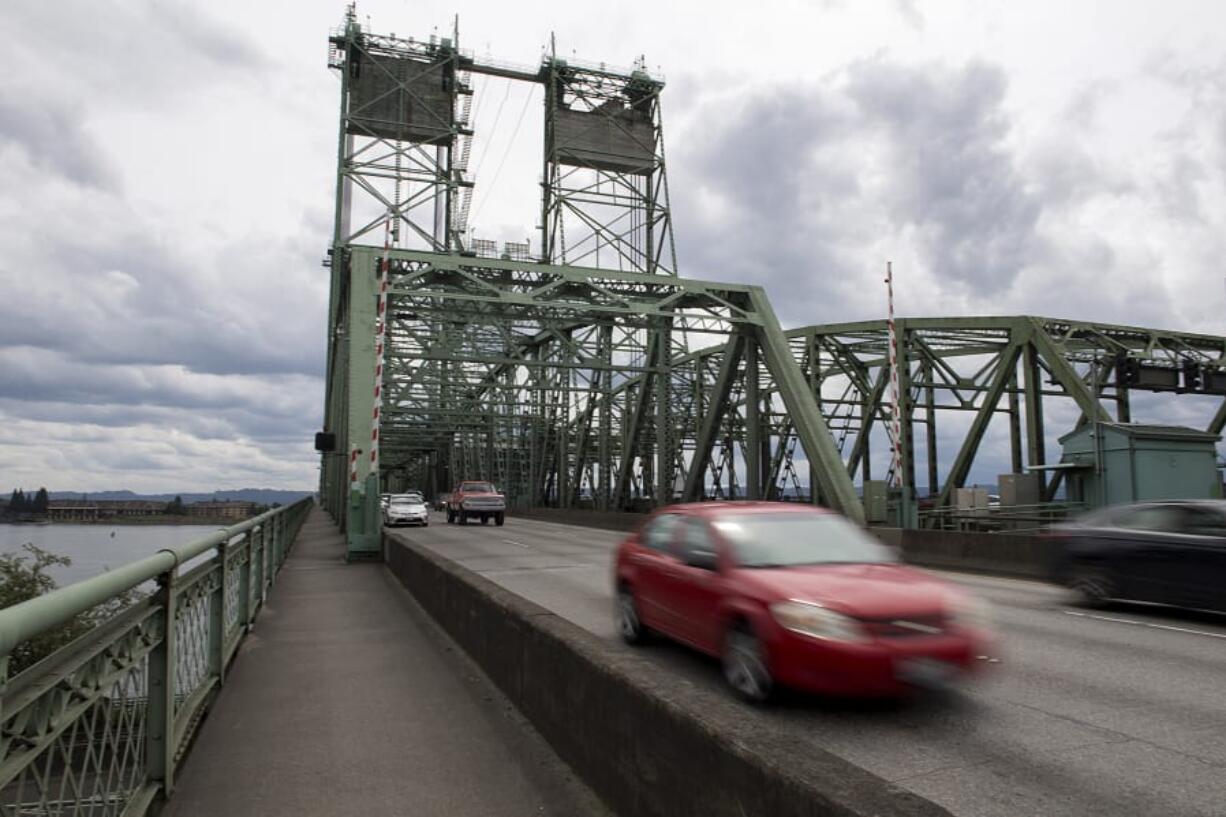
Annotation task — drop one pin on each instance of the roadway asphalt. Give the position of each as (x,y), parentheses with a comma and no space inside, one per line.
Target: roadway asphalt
(1114,712)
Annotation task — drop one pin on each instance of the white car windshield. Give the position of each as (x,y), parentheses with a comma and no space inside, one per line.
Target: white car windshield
(786,539)
(405,503)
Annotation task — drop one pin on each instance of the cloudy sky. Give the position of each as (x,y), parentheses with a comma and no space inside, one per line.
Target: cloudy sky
(167,170)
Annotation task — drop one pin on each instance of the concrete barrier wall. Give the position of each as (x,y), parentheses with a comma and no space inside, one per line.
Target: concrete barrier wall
(1002,554)
(646,745)
(605,520)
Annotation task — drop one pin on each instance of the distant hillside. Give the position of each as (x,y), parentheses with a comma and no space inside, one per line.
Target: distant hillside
(263,496)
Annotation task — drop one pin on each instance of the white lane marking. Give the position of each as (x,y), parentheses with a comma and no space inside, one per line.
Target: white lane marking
(517,544)
(1145,624)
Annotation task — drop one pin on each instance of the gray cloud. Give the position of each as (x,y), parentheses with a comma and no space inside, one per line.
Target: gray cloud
(910,13)
(52,137)
(141,52)
(797,188)
(952,178)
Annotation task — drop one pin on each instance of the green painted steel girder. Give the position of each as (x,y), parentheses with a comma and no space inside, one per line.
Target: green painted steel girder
(713,416)
(811,427)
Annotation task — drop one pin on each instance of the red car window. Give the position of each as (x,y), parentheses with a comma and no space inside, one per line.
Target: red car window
(658,533)
(696,538)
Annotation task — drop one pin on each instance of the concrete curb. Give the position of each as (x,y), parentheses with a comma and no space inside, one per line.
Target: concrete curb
(647,744)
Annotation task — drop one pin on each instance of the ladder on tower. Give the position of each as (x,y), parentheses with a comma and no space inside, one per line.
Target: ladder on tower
(463,204)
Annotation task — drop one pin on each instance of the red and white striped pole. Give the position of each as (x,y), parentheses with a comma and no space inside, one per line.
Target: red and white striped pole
(353,467)
(380,344)
(895,420)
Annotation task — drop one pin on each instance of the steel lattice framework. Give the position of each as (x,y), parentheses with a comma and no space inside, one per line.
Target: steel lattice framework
(567,377)
(552,376)
(1008,367)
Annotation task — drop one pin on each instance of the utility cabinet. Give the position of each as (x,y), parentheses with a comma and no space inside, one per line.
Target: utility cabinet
(876,502)
(1113,463)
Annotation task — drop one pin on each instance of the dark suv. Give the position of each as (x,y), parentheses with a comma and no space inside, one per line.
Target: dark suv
(1171,552)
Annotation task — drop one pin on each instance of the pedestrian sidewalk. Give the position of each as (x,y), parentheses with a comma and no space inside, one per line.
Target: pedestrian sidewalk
(346,700)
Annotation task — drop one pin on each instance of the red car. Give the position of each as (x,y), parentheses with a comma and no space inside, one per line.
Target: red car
(794,595)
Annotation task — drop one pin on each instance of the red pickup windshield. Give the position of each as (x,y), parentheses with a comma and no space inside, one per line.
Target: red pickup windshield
(476,488)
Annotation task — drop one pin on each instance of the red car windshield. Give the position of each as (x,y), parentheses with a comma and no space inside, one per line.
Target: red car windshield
(476,488)
(787,539)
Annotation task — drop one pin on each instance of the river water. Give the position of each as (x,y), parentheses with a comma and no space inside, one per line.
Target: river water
(95,548)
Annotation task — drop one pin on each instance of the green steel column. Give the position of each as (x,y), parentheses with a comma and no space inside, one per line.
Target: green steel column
(244,582)
(566,376)
(605,443)
(4,682)
(753,425)
(160,706)
(256,585)
(363,539)
(714,418)
(1015,425)
(664,417)
(868,411)
(1032,381)
(766,483)
(217,617)
(869,399)
(634,416)
(815,386)
(930,403)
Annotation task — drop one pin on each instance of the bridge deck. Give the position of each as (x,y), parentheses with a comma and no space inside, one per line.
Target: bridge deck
(1117,713)
(346,701)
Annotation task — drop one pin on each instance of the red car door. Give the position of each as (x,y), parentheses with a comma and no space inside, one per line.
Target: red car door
(655,563)
(696,586)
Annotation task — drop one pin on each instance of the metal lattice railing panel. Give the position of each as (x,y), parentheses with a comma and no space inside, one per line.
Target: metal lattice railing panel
(236,561)
(80,733)
(75,744)
(192,619)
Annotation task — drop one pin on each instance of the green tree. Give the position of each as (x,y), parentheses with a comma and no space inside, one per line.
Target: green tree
(24,577)
(175,507)
(19,502)
(41,501)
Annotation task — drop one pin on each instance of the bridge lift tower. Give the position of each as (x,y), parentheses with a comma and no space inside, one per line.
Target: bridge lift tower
(551,374)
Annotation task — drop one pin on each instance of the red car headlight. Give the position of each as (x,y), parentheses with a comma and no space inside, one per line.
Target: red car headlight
(815,621)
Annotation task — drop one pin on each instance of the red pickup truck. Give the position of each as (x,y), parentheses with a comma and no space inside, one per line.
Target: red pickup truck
(476,500)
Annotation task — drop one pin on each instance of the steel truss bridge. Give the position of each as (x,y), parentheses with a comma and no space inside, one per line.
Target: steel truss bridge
(590,373)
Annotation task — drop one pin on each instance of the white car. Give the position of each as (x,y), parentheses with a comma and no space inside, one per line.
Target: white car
(406,509)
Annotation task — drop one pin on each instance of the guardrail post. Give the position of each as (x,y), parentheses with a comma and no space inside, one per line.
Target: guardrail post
(4,682)
(270,563)
(160,711)
(279,559)
(244,583)
(257,571)
(218,617)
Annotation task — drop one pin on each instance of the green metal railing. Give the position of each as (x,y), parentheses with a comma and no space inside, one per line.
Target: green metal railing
(1006,518)
(100,726)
